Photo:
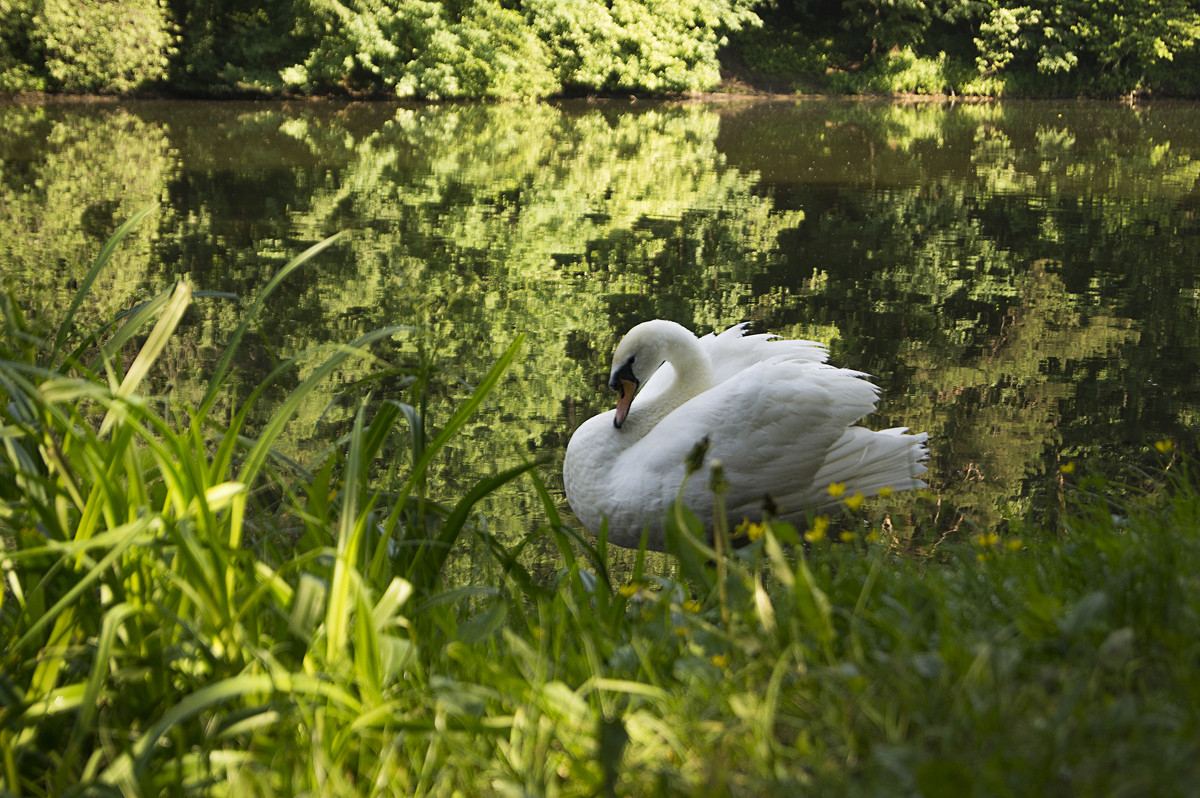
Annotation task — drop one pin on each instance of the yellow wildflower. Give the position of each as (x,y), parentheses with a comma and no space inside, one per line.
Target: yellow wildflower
(855,501)
(720,660)
(629,590)
(1013,544)
(756,531)
(1164,446)
(691,605)
(885,492)
(681,631)
(1067,468)
(817,533)
(848,536)
(836,489)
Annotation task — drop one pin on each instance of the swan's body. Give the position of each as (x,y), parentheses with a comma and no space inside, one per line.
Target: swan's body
(775,414)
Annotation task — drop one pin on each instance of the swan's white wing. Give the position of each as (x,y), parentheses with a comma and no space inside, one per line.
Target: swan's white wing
(733,350)
(771,426)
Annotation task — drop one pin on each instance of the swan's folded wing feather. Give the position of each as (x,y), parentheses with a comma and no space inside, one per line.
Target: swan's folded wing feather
(733,351)
(770,426)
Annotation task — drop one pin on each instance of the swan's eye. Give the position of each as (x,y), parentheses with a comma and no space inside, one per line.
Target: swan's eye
(625,373)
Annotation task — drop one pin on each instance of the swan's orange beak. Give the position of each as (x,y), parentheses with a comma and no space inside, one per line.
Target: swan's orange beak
(625,391)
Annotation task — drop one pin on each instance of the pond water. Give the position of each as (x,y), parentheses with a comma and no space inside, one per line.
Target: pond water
(1023,279)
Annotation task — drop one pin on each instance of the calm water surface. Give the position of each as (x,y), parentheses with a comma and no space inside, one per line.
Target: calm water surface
(1022,278)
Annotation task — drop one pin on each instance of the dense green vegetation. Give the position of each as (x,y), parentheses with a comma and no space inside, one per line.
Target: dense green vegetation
(438,49)
(187,609)
(397,48)
(980,47)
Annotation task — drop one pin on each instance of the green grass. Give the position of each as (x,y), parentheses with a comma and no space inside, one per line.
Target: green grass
(187,611)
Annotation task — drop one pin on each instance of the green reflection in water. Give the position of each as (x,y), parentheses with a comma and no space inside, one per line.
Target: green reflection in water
(1021,278)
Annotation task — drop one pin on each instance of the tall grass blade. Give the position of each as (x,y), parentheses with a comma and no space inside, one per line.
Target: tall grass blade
(250,317)
(339,609)
(262,446)
(132,323)
(126,537)
(85,287)
(428,452)
(159,337)
(90,703)
(460,417)
(426,572)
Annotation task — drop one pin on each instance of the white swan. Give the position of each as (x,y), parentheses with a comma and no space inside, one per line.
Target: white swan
(775,414)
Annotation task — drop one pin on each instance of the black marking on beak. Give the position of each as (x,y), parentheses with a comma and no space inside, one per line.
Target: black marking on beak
(626,385)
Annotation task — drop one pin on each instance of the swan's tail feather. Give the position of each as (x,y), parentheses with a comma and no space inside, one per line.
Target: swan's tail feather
(867,462)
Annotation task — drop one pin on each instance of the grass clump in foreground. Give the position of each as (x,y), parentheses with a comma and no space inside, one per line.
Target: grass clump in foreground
(151,645)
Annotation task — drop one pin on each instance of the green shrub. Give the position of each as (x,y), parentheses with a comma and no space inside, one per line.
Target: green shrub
(638,45)
(19,50)
(231,46)
(904,72)
(412,48)
(105,47)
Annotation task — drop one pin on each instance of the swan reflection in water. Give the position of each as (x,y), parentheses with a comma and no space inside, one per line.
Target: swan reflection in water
(780,420)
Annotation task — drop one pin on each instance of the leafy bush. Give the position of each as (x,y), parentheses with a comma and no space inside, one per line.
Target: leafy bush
(105,47)
(904,72)
(1118,36)
(230,46)
(19,50)
(418,48)
(1044,47)
(637,45)
(412,48)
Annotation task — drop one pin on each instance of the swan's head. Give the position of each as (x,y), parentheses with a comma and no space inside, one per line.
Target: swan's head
(641,353)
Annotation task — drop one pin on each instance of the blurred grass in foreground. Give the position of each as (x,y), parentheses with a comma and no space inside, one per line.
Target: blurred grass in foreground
(187,611)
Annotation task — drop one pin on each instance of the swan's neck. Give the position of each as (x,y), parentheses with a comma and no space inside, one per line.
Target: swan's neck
(692,375)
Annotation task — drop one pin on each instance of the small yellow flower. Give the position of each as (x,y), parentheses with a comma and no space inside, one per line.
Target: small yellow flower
(756,531)
(885,492)
(855,501)
(848,536)
(720,660)
(817,533)
(873,536)
(629,590)
(1067,468)
(691,605)
(1164,446)
(987,540)
(836,489)
(1013,544)
(681,631)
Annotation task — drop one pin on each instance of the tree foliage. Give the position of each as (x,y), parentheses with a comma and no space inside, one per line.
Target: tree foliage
(430,49)
(991,46)
(441,49)
(84,46)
